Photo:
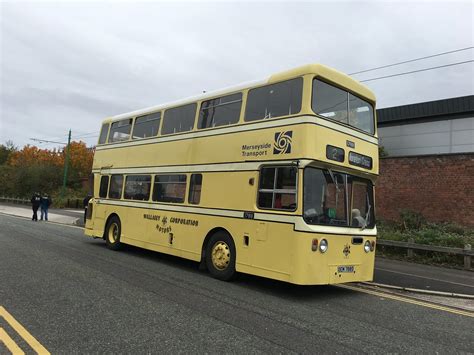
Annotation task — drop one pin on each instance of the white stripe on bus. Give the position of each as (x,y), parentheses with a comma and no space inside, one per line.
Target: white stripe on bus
(231,167)
(296,220)
(243,128)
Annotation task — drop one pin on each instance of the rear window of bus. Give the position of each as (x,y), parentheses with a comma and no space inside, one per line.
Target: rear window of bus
(103,133)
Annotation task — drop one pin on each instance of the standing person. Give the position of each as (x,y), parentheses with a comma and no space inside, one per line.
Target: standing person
(35,203)
(85,203)
(45,203)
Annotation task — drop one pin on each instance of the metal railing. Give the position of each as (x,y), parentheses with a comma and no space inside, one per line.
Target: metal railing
(69,203)
(410,246)
(16,200)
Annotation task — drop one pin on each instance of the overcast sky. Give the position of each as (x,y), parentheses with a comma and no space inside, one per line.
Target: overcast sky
(69,65)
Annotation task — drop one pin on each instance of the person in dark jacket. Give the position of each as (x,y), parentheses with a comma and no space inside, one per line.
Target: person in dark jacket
(35,203)
(85,204)
(45,203)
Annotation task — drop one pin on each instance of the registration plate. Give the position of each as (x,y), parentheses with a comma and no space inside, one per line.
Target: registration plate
(345,269)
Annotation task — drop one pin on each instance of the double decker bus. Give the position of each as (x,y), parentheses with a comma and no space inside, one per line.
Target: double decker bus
(273,178)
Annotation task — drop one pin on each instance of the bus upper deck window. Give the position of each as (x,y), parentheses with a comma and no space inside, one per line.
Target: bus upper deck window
(340,105)
(120,130)
(220,111)
(280,99)
(179,119)
(104,131)
(146,126)
(329,101)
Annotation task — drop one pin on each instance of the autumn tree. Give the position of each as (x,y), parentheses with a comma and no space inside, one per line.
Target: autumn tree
(6,150)
(80,162)
(33,169)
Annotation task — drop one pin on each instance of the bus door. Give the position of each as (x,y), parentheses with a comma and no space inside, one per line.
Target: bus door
(98,210)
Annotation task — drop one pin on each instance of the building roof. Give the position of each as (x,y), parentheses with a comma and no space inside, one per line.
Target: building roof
(456,107)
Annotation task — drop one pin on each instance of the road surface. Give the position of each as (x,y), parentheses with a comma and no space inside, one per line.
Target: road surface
(73,295)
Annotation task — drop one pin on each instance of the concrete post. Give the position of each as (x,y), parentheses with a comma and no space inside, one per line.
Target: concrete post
(467,258)
(409,250)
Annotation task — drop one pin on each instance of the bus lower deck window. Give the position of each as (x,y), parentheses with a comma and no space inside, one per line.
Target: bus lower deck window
(195,189)
(169,188)
(277,188)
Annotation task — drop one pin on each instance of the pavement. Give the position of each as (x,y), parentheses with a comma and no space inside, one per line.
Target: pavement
(63,216)
(396,273)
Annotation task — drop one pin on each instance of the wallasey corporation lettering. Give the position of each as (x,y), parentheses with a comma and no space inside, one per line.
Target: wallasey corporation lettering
(172,220)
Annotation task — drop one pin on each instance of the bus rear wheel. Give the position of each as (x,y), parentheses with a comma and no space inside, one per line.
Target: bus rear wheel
(112,233)
(220,256)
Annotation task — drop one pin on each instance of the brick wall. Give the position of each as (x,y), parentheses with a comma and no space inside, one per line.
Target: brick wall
(440,187)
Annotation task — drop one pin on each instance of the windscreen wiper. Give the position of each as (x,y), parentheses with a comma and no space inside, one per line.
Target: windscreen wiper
(367,215)
(334,180)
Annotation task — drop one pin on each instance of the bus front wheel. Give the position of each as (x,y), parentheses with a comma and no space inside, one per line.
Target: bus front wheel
(220,256)
(112,233)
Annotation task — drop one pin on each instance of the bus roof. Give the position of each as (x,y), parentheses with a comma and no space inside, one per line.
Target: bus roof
(321,70)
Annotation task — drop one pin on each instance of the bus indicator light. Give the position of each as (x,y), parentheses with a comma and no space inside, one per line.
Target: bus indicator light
(314,245)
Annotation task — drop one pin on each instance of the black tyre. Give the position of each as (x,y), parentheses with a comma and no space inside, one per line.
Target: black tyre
(220,256)
(112,233)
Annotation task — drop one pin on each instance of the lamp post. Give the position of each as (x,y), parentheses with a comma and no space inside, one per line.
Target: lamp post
(66,165)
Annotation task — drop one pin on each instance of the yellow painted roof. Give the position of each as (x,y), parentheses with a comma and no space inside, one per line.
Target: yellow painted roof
(321,70)
(329,74)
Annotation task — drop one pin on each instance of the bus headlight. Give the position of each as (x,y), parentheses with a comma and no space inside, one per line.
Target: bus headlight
(367,246)
(323,245)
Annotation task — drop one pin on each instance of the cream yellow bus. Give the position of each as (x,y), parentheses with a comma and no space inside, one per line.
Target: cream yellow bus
(273,178)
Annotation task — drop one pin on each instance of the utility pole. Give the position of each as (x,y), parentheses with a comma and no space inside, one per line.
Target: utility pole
(66,164)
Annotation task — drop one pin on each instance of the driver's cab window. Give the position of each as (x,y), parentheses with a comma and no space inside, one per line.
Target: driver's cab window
(277,188)
(324,197)
(361,205)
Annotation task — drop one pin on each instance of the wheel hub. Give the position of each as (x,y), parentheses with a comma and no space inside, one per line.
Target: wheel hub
(113,233)
(220,255)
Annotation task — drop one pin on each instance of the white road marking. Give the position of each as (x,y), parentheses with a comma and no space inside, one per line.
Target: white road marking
(424,277)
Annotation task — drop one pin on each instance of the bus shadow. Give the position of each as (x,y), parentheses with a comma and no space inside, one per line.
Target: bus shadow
(290,291)
(154,256)
(248,282)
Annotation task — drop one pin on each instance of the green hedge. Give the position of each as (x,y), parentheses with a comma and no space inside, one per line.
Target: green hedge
(414,226)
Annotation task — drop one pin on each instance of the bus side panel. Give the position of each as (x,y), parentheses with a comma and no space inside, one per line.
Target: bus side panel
(96,225)
(270,250)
